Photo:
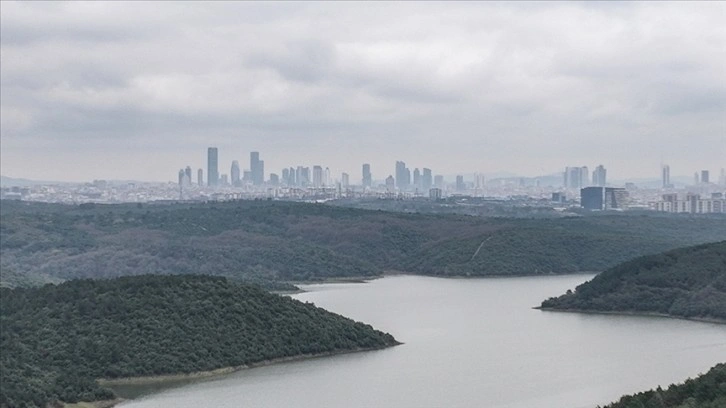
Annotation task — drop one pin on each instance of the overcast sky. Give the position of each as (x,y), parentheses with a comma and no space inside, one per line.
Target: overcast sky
(138,90)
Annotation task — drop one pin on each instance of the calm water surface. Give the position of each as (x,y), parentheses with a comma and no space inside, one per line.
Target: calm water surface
(468,343)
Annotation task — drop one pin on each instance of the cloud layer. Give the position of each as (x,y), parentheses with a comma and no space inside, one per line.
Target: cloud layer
(138,90)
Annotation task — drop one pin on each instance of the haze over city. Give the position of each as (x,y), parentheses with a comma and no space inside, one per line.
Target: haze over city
(135,91)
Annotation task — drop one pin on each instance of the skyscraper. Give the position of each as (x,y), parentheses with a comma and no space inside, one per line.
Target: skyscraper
(416,178)
(666,176)
(576,177)
(212,167)
(426,179)
(235,174)
(460,186)
(403,176)
(317,176)
(367,176)
(705,176)
(257,168)
(599,176)
(200,177)
(345,180)
(188,174)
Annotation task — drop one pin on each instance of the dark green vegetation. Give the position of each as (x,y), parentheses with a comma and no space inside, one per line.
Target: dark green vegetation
(269,241)
(705,391)
(687,282)
(56,340)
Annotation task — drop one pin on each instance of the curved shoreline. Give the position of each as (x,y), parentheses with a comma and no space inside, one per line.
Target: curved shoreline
(634,313)
(154,379)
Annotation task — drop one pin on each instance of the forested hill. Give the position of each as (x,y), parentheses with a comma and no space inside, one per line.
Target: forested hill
(56,340)
(273,241)
(687,282)
(705,391)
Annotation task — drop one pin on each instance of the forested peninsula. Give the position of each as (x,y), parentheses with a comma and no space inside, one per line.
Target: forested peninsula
(686,282)
(272,242)
(57,340)
(705,391)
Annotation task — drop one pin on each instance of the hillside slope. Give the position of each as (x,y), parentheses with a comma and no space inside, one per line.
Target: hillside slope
(687,282)
(705,391)
(268,241)
(56,340)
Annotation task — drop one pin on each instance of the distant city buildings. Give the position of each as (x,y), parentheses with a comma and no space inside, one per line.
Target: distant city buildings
(692,203)
(704,176)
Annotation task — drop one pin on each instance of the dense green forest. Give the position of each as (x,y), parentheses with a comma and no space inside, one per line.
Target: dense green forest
(687,282)
(705,391)
(267,242)
(56,340)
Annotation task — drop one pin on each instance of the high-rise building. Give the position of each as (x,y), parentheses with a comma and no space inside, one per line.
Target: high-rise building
(235,174)
(576,177)
(286,176)
(696,180)
(200,177)
(188,173)
(345,180)
(416,178)
(599,176)
(722,178)
(666,176)
(257,169)
(223,180)
(439,181)
(367,176)
(317,176)
(705,176)
(182,175)
(212,167)
(390,184)
(460,186)
(403,176)
(327,180)
(274,179)
(426,179)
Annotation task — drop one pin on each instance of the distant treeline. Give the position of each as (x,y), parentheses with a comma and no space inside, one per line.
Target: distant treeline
(267,242)
(705,391)
(686,282)
(55,341)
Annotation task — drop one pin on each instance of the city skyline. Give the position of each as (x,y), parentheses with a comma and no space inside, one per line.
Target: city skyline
(120,91)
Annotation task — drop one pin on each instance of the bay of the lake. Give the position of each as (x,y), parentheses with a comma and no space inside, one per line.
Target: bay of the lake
(468,343)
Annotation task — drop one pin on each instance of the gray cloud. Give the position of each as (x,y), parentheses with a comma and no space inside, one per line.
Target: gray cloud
(459,87)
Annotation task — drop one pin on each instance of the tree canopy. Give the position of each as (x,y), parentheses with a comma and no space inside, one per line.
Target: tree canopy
(57,340)
(686,282)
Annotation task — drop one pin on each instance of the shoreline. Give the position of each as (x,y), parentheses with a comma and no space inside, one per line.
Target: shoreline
(218,372)
(634,313)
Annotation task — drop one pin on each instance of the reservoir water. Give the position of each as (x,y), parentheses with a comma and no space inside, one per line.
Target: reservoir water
(468,343)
